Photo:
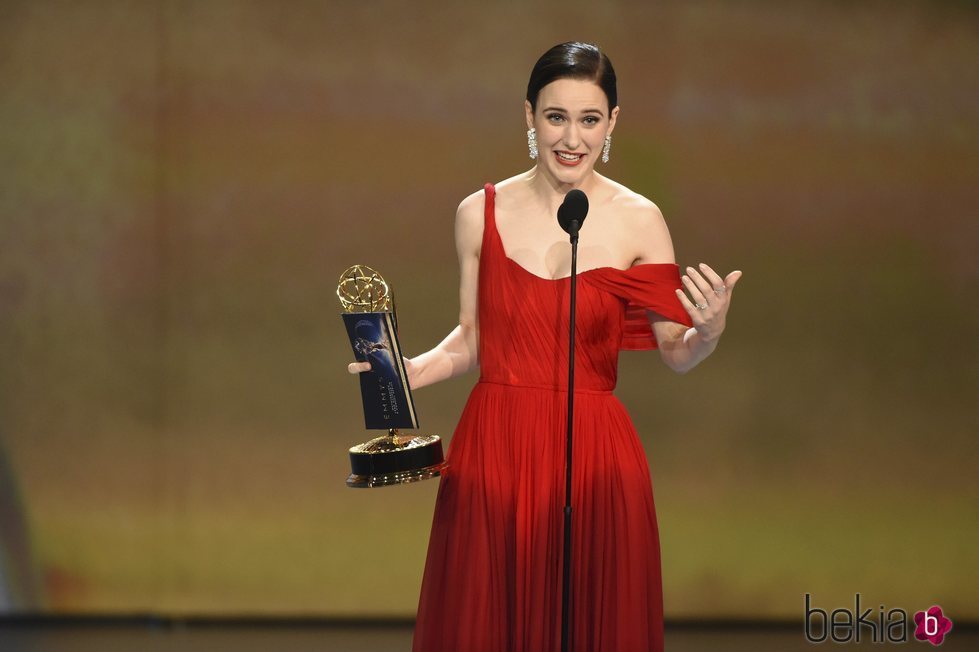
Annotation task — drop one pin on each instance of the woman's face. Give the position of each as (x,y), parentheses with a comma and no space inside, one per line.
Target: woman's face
(572,120)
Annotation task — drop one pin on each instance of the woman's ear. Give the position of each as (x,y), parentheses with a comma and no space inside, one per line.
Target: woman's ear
(611,120)
(529,111)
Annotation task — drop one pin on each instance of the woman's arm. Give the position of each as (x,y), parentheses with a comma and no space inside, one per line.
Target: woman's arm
(459,351)
(683,348)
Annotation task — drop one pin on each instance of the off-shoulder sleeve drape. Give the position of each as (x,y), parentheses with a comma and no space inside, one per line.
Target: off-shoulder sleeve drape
(650,286)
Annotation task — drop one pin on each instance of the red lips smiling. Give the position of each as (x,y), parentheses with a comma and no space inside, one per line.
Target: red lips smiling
(569,159)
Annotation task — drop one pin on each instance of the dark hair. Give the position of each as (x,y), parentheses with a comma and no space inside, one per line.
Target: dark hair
(573,60)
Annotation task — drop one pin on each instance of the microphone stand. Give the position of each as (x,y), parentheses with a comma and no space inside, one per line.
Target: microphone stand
(566,580)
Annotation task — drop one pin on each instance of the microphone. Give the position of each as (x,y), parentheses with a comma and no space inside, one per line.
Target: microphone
(571,214)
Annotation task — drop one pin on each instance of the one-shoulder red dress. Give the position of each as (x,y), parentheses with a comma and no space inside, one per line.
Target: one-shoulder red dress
(494,568)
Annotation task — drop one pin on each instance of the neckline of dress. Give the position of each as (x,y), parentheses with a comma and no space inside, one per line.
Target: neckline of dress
(526,271)
(511,261)
(552,280)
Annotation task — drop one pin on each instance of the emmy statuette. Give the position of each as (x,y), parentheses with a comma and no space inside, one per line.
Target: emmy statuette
(372,326)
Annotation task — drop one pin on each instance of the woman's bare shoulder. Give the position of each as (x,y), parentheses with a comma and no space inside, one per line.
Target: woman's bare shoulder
(644,223)
(469,222)
(633,207)
(472,204)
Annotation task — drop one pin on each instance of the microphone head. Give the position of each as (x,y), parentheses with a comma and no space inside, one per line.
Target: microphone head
(571,214)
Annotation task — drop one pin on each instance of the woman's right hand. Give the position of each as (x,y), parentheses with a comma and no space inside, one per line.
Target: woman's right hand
(358,367)
(361,367)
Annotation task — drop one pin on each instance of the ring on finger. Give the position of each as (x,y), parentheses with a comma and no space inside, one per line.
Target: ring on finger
(700,306)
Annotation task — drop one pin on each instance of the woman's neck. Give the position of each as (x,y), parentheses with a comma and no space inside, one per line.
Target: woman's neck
(550,192)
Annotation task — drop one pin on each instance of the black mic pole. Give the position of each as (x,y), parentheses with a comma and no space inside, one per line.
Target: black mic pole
(570,216)
(566,590)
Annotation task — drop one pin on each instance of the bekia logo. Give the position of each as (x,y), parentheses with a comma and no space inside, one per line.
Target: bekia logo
(932,625)
(890,626)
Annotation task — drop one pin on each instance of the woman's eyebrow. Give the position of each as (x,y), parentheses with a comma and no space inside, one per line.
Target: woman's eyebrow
(560,110)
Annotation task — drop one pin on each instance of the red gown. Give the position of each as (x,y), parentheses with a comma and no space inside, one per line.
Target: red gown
(493,573)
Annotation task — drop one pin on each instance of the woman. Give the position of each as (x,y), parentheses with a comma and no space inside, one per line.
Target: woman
(493,574)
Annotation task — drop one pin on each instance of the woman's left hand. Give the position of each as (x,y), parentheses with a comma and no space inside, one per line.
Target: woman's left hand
(711,299)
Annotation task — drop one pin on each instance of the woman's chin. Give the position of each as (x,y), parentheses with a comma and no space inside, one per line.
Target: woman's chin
(570,175)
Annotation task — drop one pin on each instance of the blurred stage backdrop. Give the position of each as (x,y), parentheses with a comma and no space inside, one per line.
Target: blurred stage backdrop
(181,184)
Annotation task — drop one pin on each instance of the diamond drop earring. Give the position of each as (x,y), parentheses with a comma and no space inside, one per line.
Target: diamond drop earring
(605,150)
(532,142)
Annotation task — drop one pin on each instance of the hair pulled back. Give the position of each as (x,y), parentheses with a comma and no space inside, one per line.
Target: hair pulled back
(573,60)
